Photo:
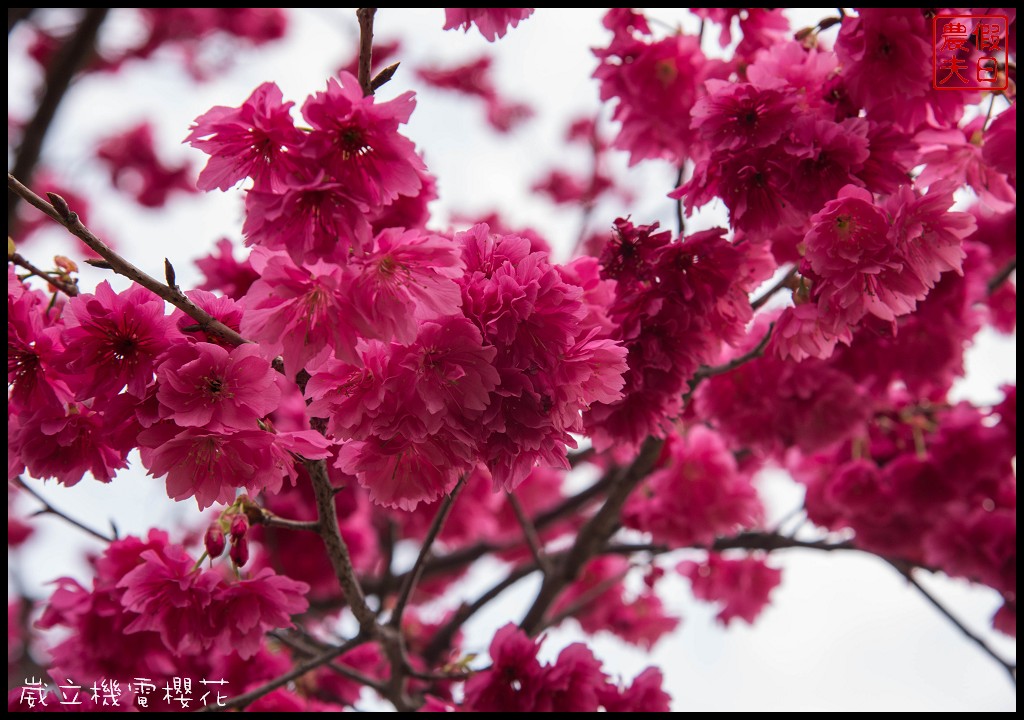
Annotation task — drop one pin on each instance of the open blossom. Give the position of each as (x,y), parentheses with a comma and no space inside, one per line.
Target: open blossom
(114,339)
(245,610)
(205,385)
(256,140)
(740,115)
(697,494)
(408,277)
(356,140)
(210,465)
(224,273)
(742,585)
(136,169)
(492,23)
(299,312)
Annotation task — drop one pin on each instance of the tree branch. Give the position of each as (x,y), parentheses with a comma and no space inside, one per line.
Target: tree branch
(529,533)
(907,572)
(365,17)
(68,288)
(60,213)
(706,372)
(413,576)
(68,60)
(337,550)
(783,282)
(1003,275)
(293,674)
(592,536)
(343,670)
(51,510)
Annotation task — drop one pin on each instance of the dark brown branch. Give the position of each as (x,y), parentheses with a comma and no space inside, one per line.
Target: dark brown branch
(1003,275)
(414,575)
(335,667)
(907,572)
(337,550)
(72,55)
(442,639)
(68,288)
(60,213)
(51,510)
(680,220)
(296,672)
(530,534)
(592,536)
(706,372)
(365,17)
(271,520)
(783,282)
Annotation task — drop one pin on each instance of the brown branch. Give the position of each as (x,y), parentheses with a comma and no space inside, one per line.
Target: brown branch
(706,372)
(1003,275)
(293,674)
(60,213)
(680,220)
(335,667)
(907,572)
(592,536)
(783,282)
(442,638)
(271,520)
(365,17)
(530,534)
(413,576)
(68,288)
(337,550)
(61,71)
(49,509)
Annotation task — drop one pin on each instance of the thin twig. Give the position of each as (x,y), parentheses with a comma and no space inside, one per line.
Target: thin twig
(1011,668)
(680,220)
(585,599)
(783,282)
(67,61)
(706,372)
(271,520)
(51,510)
(442,638)
(365,17)
(68,288)
(1003,275)
(529,533)
(60,213)
(335,667)
(337,550)
(293,674)
(413,576)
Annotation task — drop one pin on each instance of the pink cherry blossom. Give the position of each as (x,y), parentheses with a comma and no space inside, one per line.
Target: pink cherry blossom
(492,23)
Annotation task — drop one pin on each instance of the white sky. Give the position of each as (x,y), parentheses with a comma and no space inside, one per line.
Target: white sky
(844,632)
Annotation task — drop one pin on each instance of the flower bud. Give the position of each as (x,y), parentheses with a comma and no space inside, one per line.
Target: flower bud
(239,551)
(214,540)
(239,526)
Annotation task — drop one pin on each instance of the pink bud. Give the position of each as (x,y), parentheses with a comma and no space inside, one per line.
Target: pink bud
(239,552)
(214,540)
(239,526)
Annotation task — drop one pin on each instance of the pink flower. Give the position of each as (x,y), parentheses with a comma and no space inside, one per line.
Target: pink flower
(171,597)
(210,465)
(742,586)
(492,23)
(244,611)
(735,116)
(114,339)
(643,695)
(205,385)
(699,492)
(957,155)
(401,473)
(34,369)
(351,396)
(656,84)
(220,308)
(299,312)
(224,273)
(515,680)
(257,140)
(356,140)
(311,220)
(136,169)
(407,277)
(800,334)
(1000,146)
